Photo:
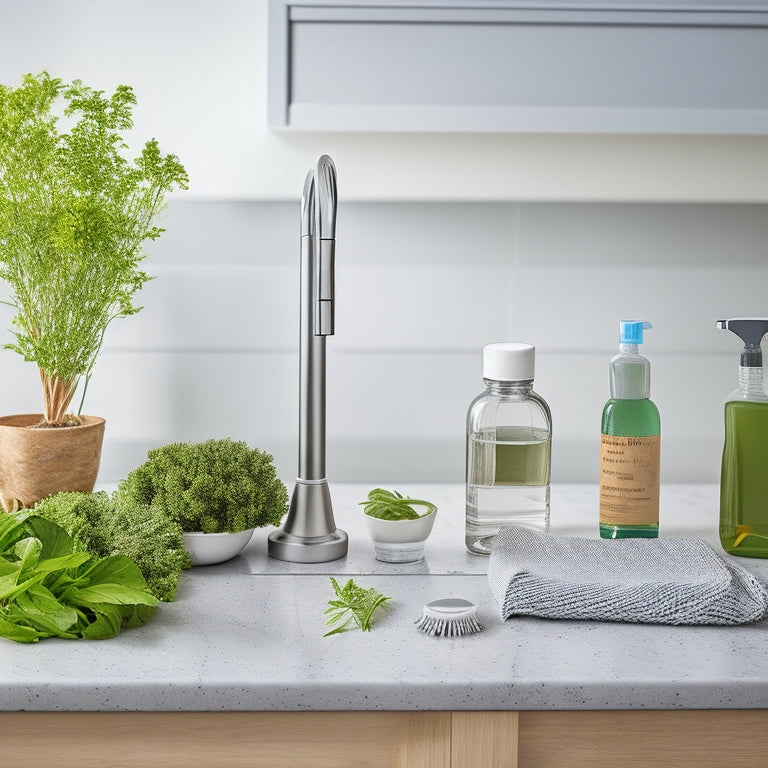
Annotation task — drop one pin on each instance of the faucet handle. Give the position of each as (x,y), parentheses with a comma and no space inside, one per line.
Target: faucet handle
(325,180)
(324,301)
(324,318)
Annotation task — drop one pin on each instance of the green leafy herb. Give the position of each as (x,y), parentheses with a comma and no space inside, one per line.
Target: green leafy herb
(353,605)
(74,214)
(105,526)
(49,590)
(394,506)
(217,486)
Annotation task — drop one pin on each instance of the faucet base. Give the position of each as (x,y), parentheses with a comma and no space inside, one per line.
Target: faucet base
(304,549)
(309,534)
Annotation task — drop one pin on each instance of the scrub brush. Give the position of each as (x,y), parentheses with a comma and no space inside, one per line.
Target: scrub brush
(449,617)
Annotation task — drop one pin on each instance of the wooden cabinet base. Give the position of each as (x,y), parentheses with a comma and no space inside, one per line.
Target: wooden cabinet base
(674,739)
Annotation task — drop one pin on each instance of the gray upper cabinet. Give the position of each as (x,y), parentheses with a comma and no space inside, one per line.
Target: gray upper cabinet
(504,66)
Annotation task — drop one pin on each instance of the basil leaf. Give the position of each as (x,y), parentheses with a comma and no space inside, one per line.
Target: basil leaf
(28,551)
(64,563)
(392,505)
(40,601)
(116,569)
(56,541)
(9,530)
(24,612)
(10,590)
(108,623)
(136,615)
(114,594)
(18,632)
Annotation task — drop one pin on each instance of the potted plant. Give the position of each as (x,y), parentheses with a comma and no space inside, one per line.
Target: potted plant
(74,214)
(218,491)
(397,529)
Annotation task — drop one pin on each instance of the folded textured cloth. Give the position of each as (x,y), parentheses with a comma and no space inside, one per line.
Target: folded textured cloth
(657,581)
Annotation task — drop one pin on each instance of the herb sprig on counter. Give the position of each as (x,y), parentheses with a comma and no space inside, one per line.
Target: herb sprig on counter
(392,505)
(353,605)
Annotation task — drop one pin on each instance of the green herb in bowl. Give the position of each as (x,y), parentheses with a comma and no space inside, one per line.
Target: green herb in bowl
(391,505)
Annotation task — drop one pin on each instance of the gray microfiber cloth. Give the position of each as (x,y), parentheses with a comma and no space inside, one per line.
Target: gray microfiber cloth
(657,581)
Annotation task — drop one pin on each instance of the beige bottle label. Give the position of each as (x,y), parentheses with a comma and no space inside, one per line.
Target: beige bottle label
(629,480)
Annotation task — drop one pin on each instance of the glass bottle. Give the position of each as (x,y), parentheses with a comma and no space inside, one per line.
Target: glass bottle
(630,444)
(509,438)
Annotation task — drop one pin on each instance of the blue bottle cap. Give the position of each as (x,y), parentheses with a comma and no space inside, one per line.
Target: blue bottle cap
(631,331)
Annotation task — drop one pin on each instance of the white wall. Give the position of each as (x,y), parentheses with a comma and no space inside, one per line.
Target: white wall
(477,255)
(200,73)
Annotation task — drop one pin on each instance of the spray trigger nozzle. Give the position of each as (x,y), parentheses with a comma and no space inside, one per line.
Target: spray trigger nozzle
(751,331)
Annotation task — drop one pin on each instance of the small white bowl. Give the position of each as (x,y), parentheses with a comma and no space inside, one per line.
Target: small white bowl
(210,548)
(400,541)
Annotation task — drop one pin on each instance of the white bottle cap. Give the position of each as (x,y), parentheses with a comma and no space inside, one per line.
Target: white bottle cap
(509,361)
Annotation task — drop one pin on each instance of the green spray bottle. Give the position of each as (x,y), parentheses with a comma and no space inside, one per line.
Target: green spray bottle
(630,444)
(744,471)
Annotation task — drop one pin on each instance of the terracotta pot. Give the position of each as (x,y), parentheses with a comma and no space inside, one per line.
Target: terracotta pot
(34,463)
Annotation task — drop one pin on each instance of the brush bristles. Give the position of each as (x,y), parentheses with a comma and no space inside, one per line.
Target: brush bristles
(449,626)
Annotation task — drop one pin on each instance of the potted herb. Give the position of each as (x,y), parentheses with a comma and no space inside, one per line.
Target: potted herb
(397,528)
(218,491)
(74,214)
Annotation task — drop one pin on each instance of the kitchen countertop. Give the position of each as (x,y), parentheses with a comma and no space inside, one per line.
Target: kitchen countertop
(248,635)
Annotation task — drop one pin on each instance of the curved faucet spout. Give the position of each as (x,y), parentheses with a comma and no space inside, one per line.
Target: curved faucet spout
(325,179)
(308,205)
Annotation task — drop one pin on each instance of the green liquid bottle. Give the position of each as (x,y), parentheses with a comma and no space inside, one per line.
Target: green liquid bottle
(630,444)
(744,470)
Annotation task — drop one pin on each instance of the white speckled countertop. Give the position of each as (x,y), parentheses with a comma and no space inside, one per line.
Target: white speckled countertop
(247,635)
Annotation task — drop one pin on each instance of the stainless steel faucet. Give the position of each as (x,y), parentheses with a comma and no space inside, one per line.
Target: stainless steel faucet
(310,534)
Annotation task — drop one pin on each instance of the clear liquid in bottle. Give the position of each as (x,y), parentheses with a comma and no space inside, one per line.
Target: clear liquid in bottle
(507,483)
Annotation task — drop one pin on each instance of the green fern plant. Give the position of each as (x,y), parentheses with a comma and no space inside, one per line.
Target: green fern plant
(74,214)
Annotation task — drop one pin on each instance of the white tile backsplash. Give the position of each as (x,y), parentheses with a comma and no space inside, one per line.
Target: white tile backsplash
(396,395)
(579,306)
(213,307)
(655,234)
(420,288)
(420,308)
